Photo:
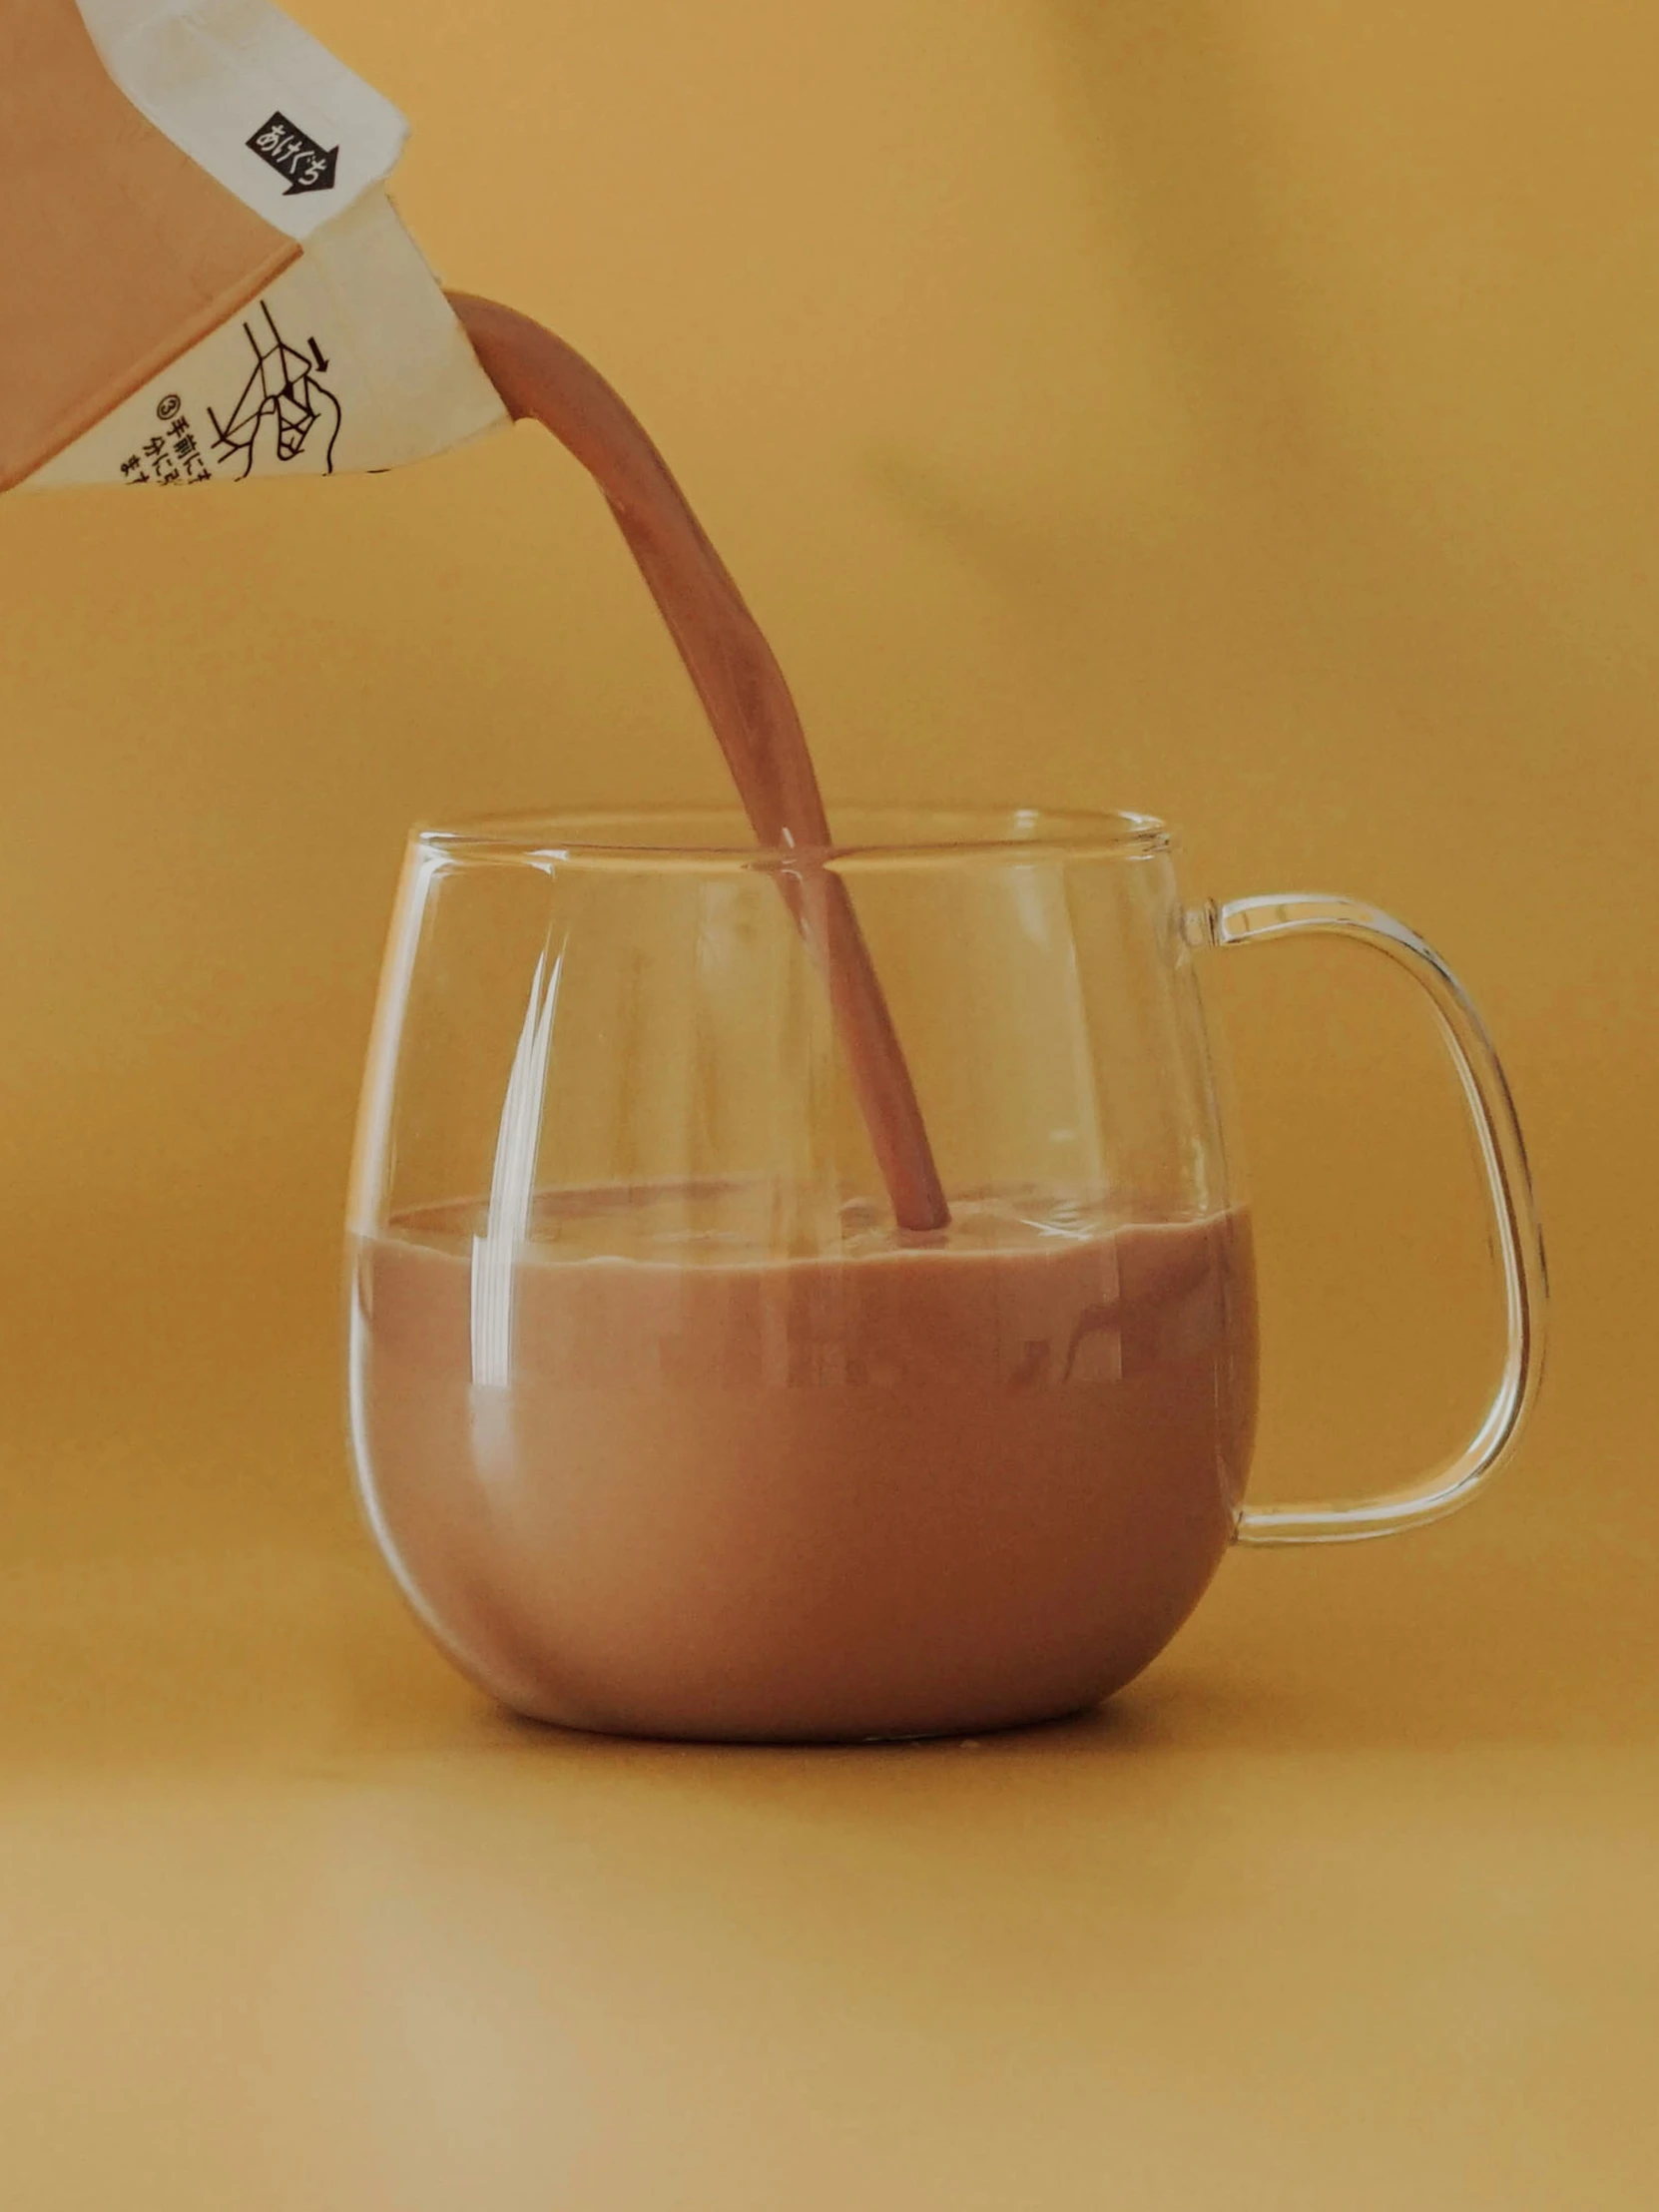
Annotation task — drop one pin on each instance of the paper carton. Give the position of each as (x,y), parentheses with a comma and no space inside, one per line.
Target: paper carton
(200,274)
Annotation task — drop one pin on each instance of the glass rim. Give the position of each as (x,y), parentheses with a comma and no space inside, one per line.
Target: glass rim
(714,837)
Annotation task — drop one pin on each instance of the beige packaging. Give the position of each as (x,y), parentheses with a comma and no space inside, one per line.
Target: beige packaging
(200,274)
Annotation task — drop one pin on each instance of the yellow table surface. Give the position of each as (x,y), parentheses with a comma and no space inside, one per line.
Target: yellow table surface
(1351,1902)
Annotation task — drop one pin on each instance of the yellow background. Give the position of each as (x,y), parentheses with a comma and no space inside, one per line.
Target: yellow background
(1246,414)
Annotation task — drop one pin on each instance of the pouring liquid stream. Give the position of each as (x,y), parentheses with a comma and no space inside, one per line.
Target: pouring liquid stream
(744,692)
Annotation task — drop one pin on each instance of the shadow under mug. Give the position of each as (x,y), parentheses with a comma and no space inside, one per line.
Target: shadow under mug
(660,1421)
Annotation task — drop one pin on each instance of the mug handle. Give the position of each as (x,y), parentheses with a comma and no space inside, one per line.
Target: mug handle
(1508,1187)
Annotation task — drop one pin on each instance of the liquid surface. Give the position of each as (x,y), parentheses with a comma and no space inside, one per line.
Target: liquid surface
(640,1474)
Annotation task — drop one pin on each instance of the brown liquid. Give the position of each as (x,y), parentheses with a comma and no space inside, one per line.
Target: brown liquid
(743,691)
(906,1490)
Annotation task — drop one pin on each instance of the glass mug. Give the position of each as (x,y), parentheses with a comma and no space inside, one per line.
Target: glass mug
(665,1428)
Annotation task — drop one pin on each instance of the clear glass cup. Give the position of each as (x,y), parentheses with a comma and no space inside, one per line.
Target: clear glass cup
(662,1423)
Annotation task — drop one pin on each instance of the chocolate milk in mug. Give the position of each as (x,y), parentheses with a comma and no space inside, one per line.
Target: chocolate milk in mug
(664,1420)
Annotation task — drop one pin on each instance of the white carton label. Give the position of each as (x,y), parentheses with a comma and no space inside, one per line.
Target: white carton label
(350,359)
(253,99)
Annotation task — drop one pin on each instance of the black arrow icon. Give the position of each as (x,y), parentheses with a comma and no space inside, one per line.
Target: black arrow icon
(319,178)
(293,154)
(318,354)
